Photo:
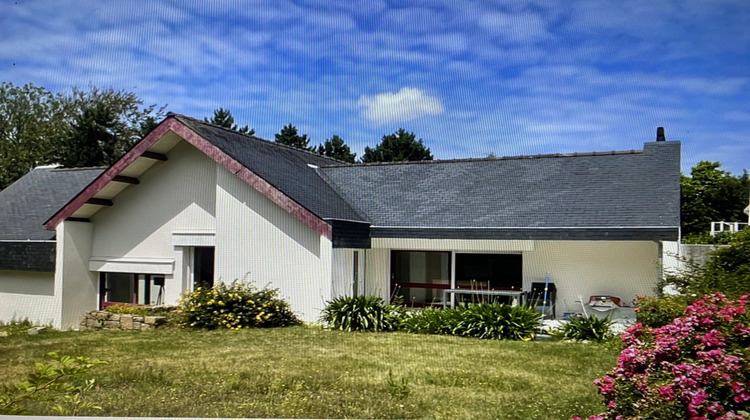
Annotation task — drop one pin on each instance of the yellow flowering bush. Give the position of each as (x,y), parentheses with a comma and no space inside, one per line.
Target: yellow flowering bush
(234,306)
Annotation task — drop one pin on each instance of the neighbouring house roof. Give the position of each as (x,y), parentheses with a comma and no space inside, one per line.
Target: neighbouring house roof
(27,203)
(617,195)
(25,245)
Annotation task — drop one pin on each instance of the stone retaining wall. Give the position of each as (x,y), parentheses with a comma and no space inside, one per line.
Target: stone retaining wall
(103,320)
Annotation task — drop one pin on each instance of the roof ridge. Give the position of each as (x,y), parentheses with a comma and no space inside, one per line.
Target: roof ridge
(254,137)
(490,159)
(82,168)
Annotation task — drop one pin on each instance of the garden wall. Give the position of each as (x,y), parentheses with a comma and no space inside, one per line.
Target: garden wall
(103,320)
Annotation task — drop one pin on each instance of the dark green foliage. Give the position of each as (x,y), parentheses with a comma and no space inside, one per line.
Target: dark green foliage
(223,118)
(712,195)
(83,128)
(492,321)
(397,147)
(337,149)
(103,125)
(31,123)
(727,271)
(239,305)
(290,137)
(362,313)
(586,328)
(660,311)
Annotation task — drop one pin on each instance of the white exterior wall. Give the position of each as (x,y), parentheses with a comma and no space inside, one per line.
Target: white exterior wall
(579,269)
(259,242)
(136,234)
(26,294)
(76,286)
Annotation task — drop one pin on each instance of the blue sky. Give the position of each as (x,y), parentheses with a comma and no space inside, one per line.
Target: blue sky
(470,78)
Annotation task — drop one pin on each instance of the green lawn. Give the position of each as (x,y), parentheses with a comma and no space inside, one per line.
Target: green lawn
(312,373)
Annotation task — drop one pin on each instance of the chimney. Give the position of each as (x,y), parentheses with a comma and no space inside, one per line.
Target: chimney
(660,134)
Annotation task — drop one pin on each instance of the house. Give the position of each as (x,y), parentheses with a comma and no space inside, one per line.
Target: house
(194,204)
(27,249)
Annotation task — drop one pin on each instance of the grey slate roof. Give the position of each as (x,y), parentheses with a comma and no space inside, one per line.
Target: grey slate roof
(603,190)
(27,203)
(285,168)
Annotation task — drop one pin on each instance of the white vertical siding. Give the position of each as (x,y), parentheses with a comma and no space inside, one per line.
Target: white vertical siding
(257,241)
(173,196)
(74,282)
(25,294)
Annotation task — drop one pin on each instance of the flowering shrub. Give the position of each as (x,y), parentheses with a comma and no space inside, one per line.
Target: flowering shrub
(696,367)
(236,306)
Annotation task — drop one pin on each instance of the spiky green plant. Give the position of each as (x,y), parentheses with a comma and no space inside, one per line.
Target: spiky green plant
(362,313)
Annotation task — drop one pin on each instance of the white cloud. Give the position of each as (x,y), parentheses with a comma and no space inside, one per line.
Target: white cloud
(405,105)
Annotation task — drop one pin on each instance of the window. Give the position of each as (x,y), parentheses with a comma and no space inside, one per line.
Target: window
(488,272)
(142,289)
(419,277)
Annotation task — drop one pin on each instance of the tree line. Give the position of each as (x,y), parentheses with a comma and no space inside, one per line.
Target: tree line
(94,127)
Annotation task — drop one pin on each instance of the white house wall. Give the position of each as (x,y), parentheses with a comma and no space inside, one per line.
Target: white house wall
(28,295)
(75,284)
(176,196)
(259,242)
(579,269)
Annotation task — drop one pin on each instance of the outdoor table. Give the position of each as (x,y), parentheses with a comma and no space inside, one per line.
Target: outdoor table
(518,296)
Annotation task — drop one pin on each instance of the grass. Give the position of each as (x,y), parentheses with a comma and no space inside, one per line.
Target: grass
(313,373)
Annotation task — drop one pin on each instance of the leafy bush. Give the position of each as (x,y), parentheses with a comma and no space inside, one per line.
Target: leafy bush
(484,320)
(586,328)
(659,311)
(61,379)
(238,305)
(727,271)
(141,310)
(695,367)
(362,313)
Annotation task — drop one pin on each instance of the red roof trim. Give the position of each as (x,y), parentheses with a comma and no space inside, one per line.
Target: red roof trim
(172,124)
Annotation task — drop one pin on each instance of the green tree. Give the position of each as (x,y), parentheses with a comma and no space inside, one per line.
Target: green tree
(710,194)
(290,137)
(397,147)
(337,149)
(103,125)
(31,121)
(223,118)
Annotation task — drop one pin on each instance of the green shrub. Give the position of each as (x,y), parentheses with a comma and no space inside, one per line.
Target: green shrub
(659,311)
(586,328)
(496,321)
(484,320)
(727,270)
(16,327)
(238,305)
(362,313)
(61,384)
(141,310)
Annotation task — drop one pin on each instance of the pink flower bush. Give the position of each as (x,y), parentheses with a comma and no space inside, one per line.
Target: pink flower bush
(694,368)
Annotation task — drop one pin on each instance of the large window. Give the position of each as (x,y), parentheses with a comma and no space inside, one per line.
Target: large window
(489,271)
(141,289)
(420,277)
